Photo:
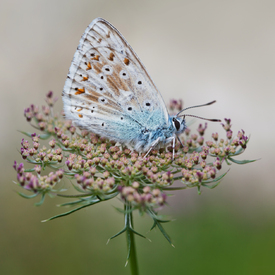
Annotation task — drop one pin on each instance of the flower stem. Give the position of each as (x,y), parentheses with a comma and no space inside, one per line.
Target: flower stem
(132,256)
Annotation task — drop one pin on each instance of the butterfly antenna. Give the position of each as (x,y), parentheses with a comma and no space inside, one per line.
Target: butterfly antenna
(209,103)
(209,119)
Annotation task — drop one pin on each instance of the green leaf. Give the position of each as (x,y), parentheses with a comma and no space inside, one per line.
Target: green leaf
(25,133)
(63,147)
(216,179)
(56,167)
(78,189)
(29,170)
(158,224)
(241,161)
(71,203)
(26,196)
(52,162)
(211,186)
(70,212)
(238,152)
(45,136)
(117,234)
(135,232)
(33,161)
(227,162)
(175,188)
(75,196)
(125,211)
(199,189)
(41,201)
(157,217)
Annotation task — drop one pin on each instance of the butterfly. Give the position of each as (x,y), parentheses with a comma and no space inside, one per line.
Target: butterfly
(109,92)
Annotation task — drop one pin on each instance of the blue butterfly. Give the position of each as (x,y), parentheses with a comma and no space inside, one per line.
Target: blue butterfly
(109,92)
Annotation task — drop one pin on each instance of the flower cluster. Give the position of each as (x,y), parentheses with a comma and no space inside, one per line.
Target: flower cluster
(100,169)
(37,154)
(35,182)
(142,197)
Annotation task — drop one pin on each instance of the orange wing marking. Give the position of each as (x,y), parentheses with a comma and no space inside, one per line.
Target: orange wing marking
(79,91)
(89,66)
(126,61)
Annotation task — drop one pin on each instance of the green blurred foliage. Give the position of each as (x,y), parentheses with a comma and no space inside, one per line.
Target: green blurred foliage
(208,240)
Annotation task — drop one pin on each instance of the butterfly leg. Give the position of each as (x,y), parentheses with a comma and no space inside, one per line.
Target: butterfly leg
(173,140)
(173,146)
(180,141)
(152,146)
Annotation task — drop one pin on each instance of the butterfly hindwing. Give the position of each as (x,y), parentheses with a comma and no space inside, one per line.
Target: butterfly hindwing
(108,90)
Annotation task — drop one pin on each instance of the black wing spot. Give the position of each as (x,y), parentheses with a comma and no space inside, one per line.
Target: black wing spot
(130,108)
(148,104)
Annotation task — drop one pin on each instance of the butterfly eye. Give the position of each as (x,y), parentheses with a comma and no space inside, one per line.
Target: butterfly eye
(123,74)
(106,69)
(176,124)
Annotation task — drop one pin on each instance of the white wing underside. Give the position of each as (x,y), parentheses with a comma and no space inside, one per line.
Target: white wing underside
(108,90)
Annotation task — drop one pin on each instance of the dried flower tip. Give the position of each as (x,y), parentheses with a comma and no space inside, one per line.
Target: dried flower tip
(49,94)
(229,134)
(217,164)
(37,169)
(215,136)
(202,129)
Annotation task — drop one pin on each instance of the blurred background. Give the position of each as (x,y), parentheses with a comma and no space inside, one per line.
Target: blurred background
(195,50)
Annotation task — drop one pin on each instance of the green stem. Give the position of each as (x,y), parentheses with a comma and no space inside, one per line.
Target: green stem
(131,240)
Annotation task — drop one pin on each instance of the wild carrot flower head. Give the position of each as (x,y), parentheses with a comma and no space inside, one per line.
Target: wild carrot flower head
(100,169)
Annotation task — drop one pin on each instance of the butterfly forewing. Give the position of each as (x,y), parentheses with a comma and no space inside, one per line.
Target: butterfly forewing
(108,90)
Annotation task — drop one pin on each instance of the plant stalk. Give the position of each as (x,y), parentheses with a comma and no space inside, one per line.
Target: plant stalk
(132,256)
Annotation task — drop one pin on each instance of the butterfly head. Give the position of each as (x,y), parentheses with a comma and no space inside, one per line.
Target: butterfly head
(178,124)
(178,121)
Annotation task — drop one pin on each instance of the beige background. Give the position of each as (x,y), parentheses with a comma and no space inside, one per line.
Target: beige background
(194,50)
